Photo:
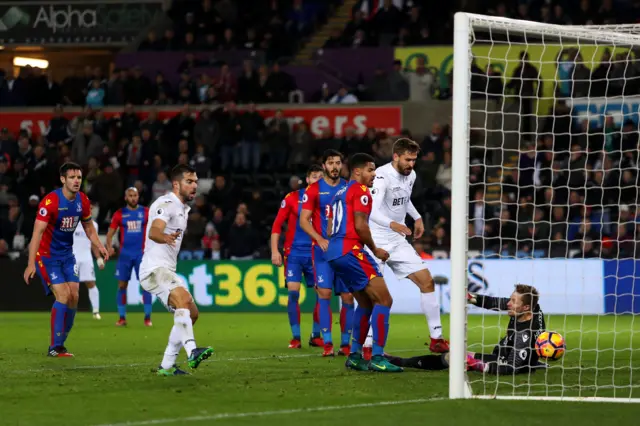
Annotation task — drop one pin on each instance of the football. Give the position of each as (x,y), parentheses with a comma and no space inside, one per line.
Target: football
(550,345)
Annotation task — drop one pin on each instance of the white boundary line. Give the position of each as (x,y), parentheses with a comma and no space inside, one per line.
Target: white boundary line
(142,364)
(224,416)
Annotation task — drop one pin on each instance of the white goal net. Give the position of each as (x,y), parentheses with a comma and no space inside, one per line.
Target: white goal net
(545,193)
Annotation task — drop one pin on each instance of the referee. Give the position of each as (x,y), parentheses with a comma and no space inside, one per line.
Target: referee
(515,354)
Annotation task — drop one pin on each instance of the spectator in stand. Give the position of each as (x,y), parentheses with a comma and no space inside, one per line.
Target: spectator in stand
(206,132)
(277,139)
(242,242)
(161,186)
(151,43)
(107,193)
(343,97)
(201,162)
(86,144)
(95,95)
(251,133)
(229,136)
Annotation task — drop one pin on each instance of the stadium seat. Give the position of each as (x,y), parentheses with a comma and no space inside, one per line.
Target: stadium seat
(242,180)
(264,180)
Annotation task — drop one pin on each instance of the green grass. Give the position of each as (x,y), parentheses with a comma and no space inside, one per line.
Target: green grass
(254,378)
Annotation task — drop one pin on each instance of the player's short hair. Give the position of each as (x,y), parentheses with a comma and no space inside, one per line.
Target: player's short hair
(529,295)
(360,160)
(314,168)
(405,146)
(331,153)
(178,171)
(68,167)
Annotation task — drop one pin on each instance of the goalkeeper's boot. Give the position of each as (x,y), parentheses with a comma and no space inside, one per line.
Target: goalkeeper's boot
(367,352)
(380,364)
(198,355)
(328,350)
(345,350)
(295,344)
(316,341)
(439,346)
(59,352)
(173,371)
(356,362)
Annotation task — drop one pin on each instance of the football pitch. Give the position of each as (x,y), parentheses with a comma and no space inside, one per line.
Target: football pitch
(254,379)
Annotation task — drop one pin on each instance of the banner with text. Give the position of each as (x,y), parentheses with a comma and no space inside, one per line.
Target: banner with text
(621,109)
(566,286)
(334,118)
(105,22)
(216,286)
(506,58)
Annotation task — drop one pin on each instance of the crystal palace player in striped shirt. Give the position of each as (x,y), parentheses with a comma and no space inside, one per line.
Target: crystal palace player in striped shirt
(51,249)
(313,220)
(297,258)
(349,233)
(132,222)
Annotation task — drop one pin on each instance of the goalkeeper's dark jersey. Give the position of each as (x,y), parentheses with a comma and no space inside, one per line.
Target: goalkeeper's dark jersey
(516,351)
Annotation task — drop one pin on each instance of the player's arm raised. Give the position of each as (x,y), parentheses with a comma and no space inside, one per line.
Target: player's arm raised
(377,211)
(276,230)
(309,203)
(488,302)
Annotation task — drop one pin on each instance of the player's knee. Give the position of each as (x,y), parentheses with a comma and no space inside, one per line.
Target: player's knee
(194,313)
(293,286)
(122,285)
(180,299)
(386,300)
(347,298)
(324,293)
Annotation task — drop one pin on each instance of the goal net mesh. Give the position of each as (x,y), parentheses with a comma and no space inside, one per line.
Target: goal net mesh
(553,199)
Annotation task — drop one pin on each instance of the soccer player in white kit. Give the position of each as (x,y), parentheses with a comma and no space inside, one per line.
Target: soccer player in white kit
(86,274)
(391,194)
(163,237)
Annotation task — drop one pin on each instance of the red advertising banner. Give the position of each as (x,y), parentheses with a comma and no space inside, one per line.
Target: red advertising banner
(382,118)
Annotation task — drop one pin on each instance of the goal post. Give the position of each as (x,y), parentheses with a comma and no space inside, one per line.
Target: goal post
(592,300)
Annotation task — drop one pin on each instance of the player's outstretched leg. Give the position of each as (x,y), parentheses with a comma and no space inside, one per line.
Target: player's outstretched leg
(379,293)
(186,313)
(293,312)
(361,317)
(346,323)
(431,309)
(316,337)
(94,298)
(121,301)
(146,300)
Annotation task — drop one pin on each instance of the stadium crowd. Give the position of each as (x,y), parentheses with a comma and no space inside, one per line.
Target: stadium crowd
(573,191)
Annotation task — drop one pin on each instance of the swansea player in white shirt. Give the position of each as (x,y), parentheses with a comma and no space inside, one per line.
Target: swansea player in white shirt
(391,194)
(163,237)
(82,249)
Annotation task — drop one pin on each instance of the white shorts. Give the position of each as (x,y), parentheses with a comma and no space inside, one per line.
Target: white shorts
(403,259)
(161,282)
(86,272)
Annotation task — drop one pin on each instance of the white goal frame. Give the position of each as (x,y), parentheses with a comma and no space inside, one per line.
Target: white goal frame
(464,24)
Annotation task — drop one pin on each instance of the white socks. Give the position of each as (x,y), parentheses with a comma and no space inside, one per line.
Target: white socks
(182,321)
(431,310)
(173,348)
(369,342)
(94,298)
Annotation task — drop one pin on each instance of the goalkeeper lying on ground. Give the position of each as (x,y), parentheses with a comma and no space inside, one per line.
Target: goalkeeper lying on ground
(515,354)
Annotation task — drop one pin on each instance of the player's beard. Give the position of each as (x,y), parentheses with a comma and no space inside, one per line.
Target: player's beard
(331,173)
